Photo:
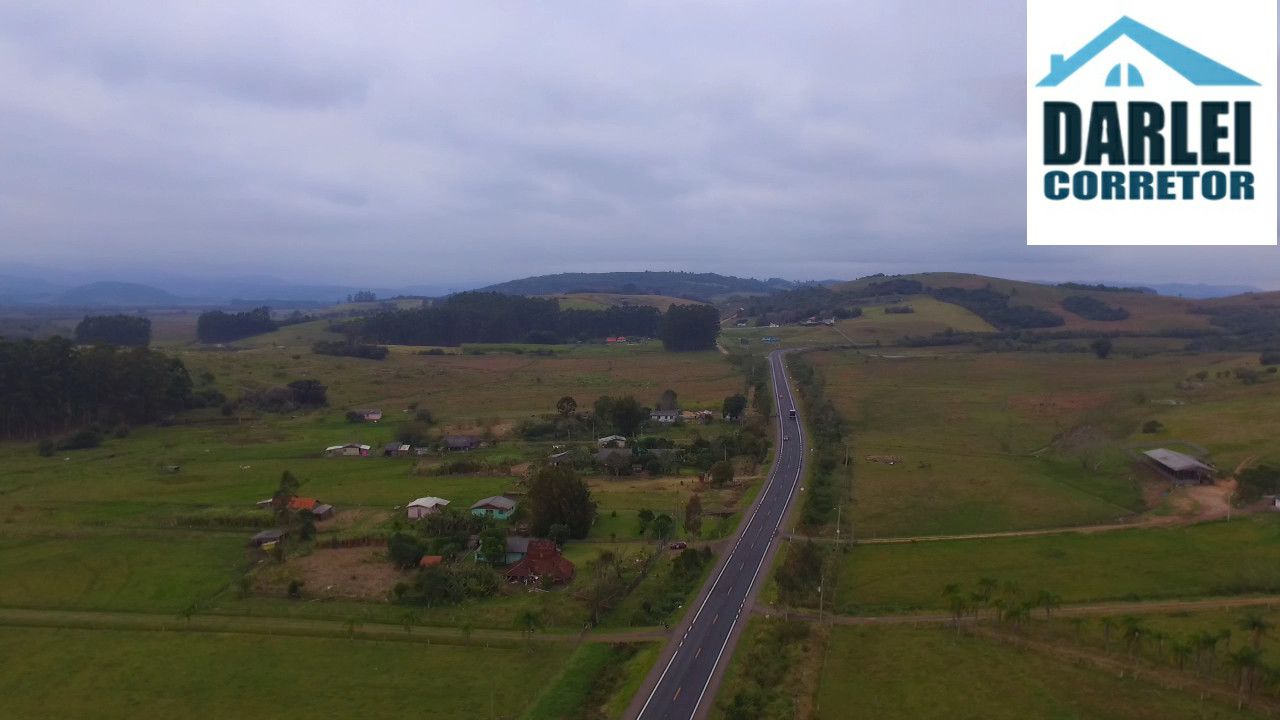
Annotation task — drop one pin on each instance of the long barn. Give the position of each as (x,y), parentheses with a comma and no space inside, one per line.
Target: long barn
(1182,468)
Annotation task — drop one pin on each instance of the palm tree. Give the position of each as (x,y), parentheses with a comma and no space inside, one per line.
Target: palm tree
(529,622)
(1245,660)
(408,620)
(1108,624)
(1048,602)
(1257,627)
(1134,632)
(986,589)
(956,603)
(1180,650)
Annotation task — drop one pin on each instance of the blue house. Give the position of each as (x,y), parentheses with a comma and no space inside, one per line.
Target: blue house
(517,548)
(496,507)
(1188,63)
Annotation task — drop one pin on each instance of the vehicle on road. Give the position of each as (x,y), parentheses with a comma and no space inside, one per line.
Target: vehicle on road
(792,414)
(679,545)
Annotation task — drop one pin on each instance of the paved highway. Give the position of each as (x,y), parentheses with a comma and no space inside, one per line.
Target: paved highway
(683,683)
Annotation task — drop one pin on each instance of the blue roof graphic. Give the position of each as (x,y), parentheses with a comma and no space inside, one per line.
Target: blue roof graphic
(1188,63)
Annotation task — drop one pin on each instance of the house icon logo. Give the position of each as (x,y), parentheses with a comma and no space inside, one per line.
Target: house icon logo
(1198,69)
(1137,139)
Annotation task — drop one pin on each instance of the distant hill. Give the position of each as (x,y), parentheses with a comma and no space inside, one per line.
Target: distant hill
(1145,311)
(700,286)
(117,294)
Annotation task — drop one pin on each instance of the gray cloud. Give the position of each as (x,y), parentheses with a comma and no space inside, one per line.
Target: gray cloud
(479,141)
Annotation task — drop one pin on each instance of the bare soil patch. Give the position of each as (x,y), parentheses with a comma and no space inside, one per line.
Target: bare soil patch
(361,573)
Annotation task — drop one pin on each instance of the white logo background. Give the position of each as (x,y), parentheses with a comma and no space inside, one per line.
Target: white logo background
(1240,34)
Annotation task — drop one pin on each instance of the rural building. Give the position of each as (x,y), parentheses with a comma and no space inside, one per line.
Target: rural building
(461,442)
(615,340)
(267,537)
(430,561)
(1182,468)
(396,449)
(322,511)
(497,507)
(301,503)
(611,441)
(348,450)
(666,417)
(560,458)
(602,456)
(543,560)
(369,414)
(699,416)
(425,506)
(517,547)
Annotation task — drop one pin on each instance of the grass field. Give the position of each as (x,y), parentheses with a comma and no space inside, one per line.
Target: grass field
(1219,558)
(120,674)
(904,673)
(991,442)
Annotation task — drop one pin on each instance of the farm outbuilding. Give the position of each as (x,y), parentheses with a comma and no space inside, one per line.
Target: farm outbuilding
(322,511)
(425,506)
(348,450)
(1180,467)
(267,537)
(461,442)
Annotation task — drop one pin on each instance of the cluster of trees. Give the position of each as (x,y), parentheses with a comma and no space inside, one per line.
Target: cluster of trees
(690,327)
(217,326)
(1005,601)
(830,454)
(362,296)
(481,317)
(1256,482)
(898,310)
(49,386)
(1091,308)
(1106,288)
(297,395)
(126,330)
(350,349)
(1240,328)
(994,307)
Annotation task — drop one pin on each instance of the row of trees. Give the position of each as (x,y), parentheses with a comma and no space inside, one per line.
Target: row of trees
(217,326)
(481,317)
(126,330)
(48,386)
(1091,308)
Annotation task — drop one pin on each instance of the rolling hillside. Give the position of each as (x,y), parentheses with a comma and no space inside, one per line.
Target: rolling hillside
(1147,312)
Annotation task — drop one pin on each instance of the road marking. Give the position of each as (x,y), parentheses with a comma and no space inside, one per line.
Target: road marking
(779,377)
(673,697)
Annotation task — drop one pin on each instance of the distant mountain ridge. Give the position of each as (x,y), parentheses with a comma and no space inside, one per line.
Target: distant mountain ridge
(118,294)
(700,286)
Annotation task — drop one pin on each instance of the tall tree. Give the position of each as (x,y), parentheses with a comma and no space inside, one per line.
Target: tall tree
(558,496)
(733,406)
(668,400)
(566,406)
(693,515)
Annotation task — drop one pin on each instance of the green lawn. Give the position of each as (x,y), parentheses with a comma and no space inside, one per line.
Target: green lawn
(63,673)
(156,572)
(1218,558)
(904,673)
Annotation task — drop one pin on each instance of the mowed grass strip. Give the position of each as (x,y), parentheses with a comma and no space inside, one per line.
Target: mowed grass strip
(1219,558)
(69,673)
(905,673)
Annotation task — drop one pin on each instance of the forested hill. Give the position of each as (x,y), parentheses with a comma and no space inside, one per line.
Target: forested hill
(699,286)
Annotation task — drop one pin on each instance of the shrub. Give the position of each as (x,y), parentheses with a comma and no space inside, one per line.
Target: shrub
(1152,426)
(81,440)
(45,448)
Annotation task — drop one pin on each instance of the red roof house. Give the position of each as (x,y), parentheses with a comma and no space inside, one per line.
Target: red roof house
(430,561)
(302,503)
(543,559)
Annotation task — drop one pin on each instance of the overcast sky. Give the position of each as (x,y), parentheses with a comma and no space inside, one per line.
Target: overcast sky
(455,143)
